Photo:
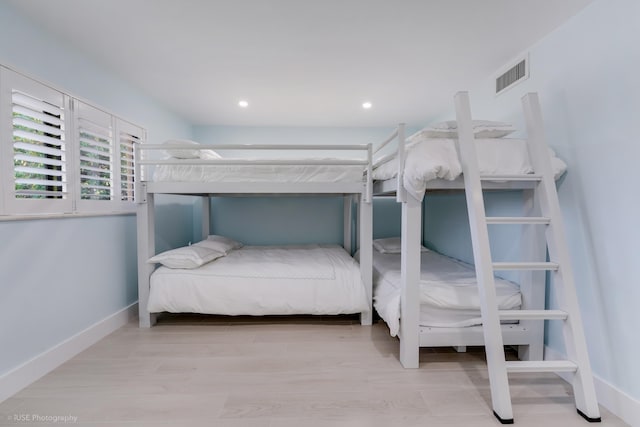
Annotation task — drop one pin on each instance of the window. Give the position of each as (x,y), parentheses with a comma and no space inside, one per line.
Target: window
(35,161)
(94,133)
(128,136)
(61,155)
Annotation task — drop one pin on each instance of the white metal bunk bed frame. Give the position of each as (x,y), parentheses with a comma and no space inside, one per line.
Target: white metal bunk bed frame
(528,335)
(146,190)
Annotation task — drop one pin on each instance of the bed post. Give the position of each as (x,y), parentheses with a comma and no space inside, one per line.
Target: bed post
(401,192)
(146,249)
(366,255)
(411,236)
(206,216)
(348,215)
(532,283)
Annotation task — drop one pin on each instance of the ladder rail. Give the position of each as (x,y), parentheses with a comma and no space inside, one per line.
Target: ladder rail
(500,394)
(575,341)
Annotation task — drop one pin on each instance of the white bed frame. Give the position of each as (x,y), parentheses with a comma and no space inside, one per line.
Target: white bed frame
(146,190)
(528,335)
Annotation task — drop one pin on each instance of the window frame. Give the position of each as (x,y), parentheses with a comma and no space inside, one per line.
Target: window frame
(75,110)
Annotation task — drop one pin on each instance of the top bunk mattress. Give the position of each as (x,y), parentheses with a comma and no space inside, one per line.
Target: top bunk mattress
(258,173)
(438,158)
(189,161)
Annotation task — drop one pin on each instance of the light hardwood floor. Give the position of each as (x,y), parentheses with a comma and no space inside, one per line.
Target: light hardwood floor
(278,372)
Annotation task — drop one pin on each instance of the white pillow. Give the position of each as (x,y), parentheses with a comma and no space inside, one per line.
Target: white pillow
(209,155)
(220,244)
(449,129)
(391,245)
(182,154)
(186,257)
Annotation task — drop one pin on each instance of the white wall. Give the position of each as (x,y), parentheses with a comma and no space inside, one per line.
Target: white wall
(60,276)
(587,74)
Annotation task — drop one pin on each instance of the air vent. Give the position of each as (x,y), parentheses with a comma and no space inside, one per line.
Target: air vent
(513,75)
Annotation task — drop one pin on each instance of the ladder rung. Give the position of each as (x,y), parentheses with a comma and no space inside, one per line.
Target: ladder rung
(518,177)
(518,366)
(518,220)
(532,315)
(525,266)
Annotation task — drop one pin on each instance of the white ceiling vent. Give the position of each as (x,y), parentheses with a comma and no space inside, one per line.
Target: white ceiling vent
(513,75)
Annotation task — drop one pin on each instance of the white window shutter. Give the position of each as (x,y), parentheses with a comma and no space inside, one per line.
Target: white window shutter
(128,135)
(60,155)
(95,158)
(34,136)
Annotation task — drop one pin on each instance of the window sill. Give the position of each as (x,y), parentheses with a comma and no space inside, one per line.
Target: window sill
(31,217)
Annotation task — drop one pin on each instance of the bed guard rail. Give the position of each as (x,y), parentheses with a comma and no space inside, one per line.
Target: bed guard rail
(142,149)
(399,135)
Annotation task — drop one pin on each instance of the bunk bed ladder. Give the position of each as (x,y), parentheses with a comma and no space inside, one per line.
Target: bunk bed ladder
(577,363)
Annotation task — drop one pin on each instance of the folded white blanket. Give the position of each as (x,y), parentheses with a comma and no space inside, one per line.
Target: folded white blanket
(446,284)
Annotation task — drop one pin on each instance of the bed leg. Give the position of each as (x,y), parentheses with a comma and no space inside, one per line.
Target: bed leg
(410,281)
(366,257)
(366,318)
(532,283)
(147,319)
(460,348)
(146,248)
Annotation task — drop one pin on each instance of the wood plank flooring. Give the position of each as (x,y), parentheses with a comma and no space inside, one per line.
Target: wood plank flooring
(277,372)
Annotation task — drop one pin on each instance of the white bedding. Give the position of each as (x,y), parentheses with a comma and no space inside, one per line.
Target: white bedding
(448,291)
(259,173)
(438,158)
(264,280)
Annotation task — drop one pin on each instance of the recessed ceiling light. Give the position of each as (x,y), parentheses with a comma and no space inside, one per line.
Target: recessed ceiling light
(243,104)
(366,105)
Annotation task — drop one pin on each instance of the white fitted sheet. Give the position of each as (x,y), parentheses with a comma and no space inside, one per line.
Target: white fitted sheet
(258,173)
(438,158)
(264,280)
(448,291)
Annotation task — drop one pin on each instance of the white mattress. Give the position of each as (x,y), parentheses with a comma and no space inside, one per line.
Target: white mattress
(259,173)
(448,291)
(438,158)
(263,280)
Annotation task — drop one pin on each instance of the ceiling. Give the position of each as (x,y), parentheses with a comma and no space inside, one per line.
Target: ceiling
(301,62)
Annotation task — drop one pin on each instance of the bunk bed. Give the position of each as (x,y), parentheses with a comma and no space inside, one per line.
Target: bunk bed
(429,161)
(253,280)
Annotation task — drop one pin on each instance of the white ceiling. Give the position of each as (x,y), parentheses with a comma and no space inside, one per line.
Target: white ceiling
(301,62)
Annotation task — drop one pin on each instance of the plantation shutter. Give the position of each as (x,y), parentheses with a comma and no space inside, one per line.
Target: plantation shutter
(35,159)
(96,166)
(128,136)
(60,155)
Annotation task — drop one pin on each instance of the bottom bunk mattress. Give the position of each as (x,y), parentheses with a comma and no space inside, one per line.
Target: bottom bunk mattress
(448,291)
(264,280)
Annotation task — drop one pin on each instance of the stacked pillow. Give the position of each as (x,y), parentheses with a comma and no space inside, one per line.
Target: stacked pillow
(188,152)
(198,254)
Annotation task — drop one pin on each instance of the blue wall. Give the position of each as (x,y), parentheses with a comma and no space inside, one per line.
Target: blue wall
(60,276)
(587,76)
(586,73)
(285,220)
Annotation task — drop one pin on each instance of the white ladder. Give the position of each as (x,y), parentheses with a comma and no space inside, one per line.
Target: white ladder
(568,312)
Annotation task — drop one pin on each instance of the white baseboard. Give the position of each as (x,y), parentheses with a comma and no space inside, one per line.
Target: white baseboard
(30,371)
(615,400)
